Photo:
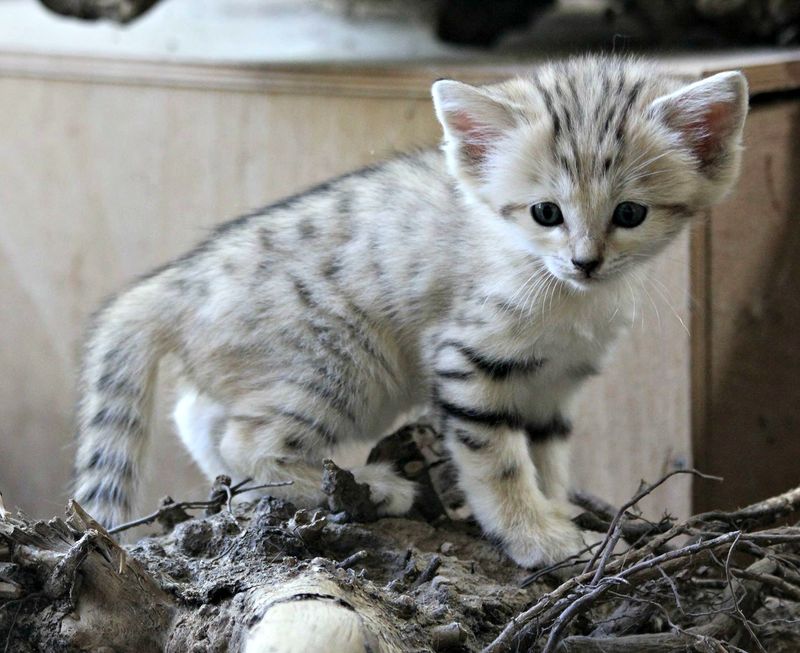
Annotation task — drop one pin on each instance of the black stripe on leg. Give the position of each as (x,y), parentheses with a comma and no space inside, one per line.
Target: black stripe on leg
(557,427)
(582,371)
(484,417)
(501,369)
(467,439)
(497,369)
(454,374)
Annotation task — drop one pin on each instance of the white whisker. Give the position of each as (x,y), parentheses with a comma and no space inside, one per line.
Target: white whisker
(662,292)
(642,278)
(633,302)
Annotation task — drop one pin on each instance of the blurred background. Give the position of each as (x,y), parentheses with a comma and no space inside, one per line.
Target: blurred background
(129,127)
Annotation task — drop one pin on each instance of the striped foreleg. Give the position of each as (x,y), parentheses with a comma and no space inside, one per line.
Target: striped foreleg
(500,481)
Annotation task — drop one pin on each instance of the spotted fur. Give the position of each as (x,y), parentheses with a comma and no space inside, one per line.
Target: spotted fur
(420,282)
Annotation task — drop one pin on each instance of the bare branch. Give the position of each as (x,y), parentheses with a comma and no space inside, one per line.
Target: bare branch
(615,529)
(216,501)
(553,612)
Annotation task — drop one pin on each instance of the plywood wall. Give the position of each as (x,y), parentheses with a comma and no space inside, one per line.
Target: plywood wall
(100,181)
(749,357)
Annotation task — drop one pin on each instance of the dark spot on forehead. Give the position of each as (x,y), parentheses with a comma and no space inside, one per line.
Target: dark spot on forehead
(574,93)
(568,120)
(620,83)
(606,85)
(607,123)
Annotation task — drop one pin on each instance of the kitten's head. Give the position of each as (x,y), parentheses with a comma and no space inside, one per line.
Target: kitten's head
(598,162)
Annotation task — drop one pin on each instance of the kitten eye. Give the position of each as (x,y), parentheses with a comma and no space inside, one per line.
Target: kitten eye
(629,215)
(547,214)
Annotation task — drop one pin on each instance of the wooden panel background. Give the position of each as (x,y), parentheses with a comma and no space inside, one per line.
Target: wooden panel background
(101,181)
(748,389)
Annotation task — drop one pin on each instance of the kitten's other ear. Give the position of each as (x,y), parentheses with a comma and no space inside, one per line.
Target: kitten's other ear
(709,115)
(472,120)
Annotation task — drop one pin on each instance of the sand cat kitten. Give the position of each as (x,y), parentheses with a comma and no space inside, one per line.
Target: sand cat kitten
(484,282)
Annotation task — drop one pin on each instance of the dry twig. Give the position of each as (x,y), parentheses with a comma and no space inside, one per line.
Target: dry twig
(216,501)
(652,567)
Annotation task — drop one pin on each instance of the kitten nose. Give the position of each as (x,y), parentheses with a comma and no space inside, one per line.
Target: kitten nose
(587,265)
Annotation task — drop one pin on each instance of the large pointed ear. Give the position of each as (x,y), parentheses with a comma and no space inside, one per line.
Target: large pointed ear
(708,116)
(472,120)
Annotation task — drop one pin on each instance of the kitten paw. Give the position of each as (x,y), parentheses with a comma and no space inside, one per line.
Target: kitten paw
(552,540)
(392,494)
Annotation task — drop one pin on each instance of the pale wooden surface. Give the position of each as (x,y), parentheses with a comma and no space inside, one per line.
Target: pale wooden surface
(767,71)
(751,311)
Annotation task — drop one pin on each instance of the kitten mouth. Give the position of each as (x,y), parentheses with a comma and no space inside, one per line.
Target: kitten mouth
(585,282)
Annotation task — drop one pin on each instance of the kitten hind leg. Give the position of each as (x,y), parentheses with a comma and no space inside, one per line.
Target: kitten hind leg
(199,423)
(204,428)
(283,445)
(257,448)
(390,492)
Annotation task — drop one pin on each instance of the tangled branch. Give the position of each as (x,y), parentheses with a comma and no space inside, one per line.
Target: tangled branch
(652,570)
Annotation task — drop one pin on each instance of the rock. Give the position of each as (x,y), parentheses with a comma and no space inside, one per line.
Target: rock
(449,637)
(345,494)
(194,536)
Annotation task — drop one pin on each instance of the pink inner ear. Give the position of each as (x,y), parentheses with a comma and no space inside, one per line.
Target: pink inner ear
(709,132)
(474,135)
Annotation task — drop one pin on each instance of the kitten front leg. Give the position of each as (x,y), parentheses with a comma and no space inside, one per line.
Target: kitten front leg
(499,479)
(551,458)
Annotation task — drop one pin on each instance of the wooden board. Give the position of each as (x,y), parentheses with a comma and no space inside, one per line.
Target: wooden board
(748,358)
(768,70)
